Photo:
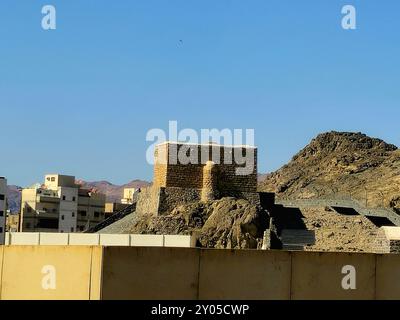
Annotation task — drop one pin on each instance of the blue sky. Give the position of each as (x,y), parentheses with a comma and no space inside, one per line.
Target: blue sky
(80,99)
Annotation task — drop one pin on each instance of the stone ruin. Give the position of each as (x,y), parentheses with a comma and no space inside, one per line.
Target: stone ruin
(185,173)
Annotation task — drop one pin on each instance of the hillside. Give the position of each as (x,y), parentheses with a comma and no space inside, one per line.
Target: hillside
(340,165)
(14,198)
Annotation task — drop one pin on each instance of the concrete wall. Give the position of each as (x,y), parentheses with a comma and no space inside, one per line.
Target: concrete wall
(150,273)
(85,272)
(172,273)
(52,239)
(147,240)
(242,274)
(24,238)
(319,275)
(115,239)
(50,272)
(94,239)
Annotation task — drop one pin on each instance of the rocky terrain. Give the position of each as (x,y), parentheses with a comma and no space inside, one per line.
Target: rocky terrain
(340,165)
(336,232)
(225,223)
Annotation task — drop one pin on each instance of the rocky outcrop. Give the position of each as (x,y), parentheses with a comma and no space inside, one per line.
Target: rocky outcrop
(342,165)
(226,223)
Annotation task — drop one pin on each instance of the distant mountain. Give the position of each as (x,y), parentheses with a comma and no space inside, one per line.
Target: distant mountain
(113,192)
(14,198)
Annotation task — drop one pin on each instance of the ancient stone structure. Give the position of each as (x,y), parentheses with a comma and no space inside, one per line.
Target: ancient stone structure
(208,191)
(185,173)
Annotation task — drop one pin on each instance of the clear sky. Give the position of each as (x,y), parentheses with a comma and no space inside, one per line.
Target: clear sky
(80,99)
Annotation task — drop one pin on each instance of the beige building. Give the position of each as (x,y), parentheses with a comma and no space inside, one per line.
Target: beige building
(128,195)
(60,205)
(12,222)
(3,209)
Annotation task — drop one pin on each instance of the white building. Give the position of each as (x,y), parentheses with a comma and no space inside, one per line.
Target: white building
(60,205)
(3,209)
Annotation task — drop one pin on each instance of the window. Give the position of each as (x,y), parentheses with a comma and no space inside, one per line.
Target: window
(81,228)
(1,213)
(1,229)
(62,217)
(73,199)
(53,179)
(82,213)
(1,196)
(96,214)
(64,198)
(54,210)
(73,214)
(72,229)
(46,223)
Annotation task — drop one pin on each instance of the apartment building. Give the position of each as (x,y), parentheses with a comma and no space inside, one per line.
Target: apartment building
(60,205)
(3,209)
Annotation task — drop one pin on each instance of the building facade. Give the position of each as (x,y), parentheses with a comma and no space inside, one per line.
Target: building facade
(128,195)
(60,205)
(3,209)
(183,165)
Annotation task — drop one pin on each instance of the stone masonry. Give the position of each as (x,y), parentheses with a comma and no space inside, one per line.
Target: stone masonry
(185,173)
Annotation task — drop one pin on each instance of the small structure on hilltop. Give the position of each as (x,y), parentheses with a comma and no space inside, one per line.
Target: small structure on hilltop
(185,173)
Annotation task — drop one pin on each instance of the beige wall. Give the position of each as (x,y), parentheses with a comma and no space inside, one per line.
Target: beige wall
(77,272)
(150,273)
(53,181)
(242,274)
(319,276)
(87,272)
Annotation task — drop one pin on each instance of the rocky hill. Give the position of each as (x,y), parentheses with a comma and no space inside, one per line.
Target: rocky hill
(341,165)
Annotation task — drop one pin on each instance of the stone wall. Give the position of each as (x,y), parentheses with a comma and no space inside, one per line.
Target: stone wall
(381,244)
(148,200)
(169,171)
(160,201)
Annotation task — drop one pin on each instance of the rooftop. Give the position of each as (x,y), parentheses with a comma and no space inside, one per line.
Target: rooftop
(214,144)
